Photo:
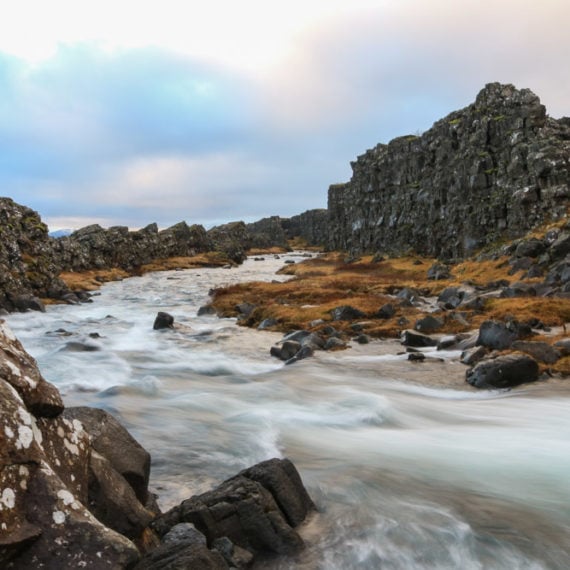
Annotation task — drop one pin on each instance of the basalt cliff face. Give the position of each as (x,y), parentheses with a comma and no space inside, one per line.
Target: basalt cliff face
(491,171)
(27,265)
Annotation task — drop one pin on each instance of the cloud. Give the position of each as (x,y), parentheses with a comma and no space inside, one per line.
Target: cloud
(137,133)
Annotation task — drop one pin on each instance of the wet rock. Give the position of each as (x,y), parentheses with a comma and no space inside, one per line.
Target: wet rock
(346,313)
(23,303)
(471,356)
(267,324)
(206,310)
(540,351)
(416,356)
(417,339)
(77,346)
(428,324)
(305,352)
(289,349)
(257,509)
(496,335)
(297,336)
(163,321)
(503,372)
(334,343)
(314,340)
(362,339)
(180,553)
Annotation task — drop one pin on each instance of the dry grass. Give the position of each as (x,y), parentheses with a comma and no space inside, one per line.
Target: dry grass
(267,250)
(91,280)
(320,284)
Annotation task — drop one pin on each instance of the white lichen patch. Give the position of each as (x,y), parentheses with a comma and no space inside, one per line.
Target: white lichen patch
(58,517)
(25,417)
(60,431)
(25,437)
(13,368)
(31,382)
(37,432)
(8,431)
(66,497)
(71,447)
(7,499)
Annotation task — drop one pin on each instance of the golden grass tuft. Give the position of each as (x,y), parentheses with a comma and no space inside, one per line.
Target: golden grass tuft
(93,279)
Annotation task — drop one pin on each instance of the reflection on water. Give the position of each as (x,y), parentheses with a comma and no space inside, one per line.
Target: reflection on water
(405,474)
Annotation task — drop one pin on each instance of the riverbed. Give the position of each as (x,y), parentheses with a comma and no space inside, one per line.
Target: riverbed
(409,466)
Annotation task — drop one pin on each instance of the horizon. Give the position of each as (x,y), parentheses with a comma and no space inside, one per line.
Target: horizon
(133,114)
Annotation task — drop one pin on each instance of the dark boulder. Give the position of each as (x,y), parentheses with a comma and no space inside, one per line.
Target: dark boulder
(306,351)
(428,324)
(110,439)
(386,311)
(334,343)
(206,310)
(496,335)
(503,372)
(532,247)
(183,547)
(163,321)
(257,509)
(417,339)
(346,313)
(563,346)
(541,351)
(23,303)
(451,297)
(471,356)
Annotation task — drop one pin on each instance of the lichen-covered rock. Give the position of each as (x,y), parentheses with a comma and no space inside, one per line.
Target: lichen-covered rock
(110,439)
(19,369)
(28,267)
(42,518)
(494,169)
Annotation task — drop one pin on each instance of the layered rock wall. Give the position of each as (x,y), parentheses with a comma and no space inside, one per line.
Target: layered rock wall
(311,225)
(27,264)
(491,171)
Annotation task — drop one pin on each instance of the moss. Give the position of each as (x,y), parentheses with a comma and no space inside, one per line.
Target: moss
(454,122)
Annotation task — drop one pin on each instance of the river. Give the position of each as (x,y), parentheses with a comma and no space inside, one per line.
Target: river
(410,468)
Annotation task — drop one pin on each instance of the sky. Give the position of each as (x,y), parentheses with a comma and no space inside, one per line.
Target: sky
(127,112)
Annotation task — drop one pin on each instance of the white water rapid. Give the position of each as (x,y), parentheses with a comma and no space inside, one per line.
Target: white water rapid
(409,468)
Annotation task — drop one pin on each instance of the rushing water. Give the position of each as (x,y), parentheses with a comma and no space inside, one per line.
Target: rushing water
(410,469)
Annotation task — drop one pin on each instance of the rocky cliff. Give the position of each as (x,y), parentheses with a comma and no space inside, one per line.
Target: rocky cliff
(27,265)
(311,225)
(93,247)
(489,172)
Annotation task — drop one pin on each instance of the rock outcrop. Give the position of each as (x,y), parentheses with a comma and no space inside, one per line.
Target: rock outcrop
(267,232)
(312,226)
(28,268)
(490,171)
(94,247)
